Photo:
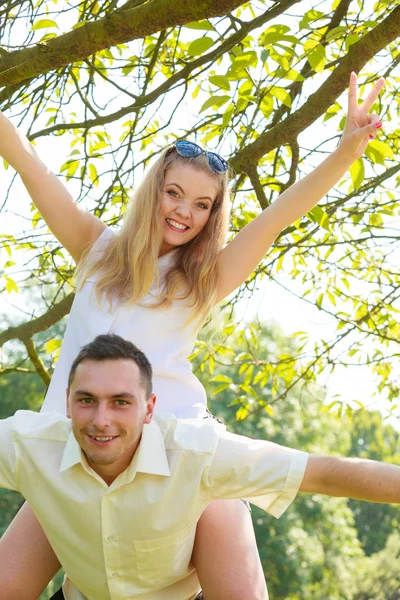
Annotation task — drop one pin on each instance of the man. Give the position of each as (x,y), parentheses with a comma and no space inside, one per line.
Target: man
(119,496)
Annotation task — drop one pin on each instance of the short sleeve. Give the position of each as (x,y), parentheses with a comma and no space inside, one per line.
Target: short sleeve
(264,473)
(8,459)
(101,243)
(99,247)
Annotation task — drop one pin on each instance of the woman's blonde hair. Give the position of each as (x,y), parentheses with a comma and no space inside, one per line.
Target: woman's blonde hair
(128,267)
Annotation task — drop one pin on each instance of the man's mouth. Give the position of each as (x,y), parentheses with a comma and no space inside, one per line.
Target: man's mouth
(176,226)
(102,440)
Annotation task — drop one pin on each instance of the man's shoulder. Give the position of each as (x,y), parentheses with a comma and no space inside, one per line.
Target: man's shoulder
(196,435)
(49,426)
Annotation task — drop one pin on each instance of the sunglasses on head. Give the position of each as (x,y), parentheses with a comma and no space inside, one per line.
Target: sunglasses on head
(190,150)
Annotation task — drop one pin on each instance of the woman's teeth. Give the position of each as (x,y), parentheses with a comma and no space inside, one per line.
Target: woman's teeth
(177,225)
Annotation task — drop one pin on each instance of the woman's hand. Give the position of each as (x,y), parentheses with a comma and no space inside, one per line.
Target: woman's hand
(361,127)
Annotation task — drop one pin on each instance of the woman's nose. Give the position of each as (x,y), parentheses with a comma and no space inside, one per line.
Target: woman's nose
(183,209)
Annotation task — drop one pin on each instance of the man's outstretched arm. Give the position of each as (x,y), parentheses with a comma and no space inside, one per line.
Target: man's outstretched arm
(352,478)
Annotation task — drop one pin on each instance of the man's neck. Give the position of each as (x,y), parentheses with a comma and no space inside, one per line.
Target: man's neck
(110,472)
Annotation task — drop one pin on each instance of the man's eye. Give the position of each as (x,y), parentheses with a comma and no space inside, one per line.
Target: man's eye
(85,400)
(121,402)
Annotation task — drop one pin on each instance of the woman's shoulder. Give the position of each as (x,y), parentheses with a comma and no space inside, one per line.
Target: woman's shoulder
(102,241)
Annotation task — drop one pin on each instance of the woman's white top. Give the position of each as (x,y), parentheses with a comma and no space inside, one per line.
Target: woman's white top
(159,333)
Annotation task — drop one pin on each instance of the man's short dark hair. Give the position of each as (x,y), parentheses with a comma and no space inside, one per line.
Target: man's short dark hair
(114,347)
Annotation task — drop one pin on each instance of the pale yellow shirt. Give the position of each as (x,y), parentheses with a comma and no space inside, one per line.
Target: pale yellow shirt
(134,539)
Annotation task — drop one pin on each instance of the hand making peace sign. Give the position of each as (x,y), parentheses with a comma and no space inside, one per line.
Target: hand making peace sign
(361,127)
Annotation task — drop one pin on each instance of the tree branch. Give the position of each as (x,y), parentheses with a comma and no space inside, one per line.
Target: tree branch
(183,75)
(318,103)
(118,27)
(258,187)
(36,361)
(50,317)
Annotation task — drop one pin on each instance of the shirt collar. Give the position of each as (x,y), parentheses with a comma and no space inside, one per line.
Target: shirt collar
(72,453)
(151,454)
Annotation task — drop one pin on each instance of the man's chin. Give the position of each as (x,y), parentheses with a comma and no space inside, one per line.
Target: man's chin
(100,460)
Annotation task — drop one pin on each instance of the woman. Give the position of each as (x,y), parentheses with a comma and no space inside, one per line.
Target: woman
(153,283)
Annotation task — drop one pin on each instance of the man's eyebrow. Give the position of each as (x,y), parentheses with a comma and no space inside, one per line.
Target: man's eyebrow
(83,393)
(182,190)
(90,395)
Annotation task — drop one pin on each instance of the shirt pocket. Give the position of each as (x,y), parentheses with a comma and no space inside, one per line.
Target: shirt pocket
(163,561)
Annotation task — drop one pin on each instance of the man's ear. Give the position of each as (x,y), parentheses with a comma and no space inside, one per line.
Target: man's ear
(151,400)
(67,403)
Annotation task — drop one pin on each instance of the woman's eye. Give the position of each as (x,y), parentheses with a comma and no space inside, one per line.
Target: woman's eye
(202,205)
(173,193)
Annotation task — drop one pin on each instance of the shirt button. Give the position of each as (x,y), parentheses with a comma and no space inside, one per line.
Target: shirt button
(110,538)
(115,575)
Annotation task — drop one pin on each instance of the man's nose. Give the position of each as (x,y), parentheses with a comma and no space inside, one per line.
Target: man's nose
(101,417)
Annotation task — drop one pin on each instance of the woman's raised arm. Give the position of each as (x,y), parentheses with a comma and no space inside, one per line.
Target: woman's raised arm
(75,228)
(241,256)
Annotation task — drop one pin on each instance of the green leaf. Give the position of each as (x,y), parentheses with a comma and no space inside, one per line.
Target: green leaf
(290,74)
(200,46)
(310,15)
(47,36)
(227,118)
(43,24)
(214,102)
(319,300)
(351,39)
(357,173)
(93,174)
(220,81)
(267,105)
(318,215)
(277,33)
(242,413)
(265,55)
(268,410)
(245,59)
(36,218)
(221,378)
(11,286)
(79,24)
(317,58)
(377,151)
(196,91)
(204,25)
(52,345)
(282,95)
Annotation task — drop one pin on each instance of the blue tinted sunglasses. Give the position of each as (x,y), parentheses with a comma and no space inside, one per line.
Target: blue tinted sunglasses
(190,150)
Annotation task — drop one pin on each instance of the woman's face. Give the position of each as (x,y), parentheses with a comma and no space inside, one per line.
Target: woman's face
(187,198)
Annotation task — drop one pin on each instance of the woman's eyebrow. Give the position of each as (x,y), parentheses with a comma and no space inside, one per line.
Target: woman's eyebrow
(182,190)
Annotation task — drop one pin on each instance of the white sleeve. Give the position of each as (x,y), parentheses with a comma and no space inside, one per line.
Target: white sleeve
(8,456)
(265,474)
(100,243)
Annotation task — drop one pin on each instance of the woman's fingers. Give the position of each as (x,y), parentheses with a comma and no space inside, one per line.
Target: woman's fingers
(369,100)
(353,102)
(372,118)
(373,95)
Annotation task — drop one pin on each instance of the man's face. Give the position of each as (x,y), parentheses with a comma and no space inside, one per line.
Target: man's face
(108,405)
